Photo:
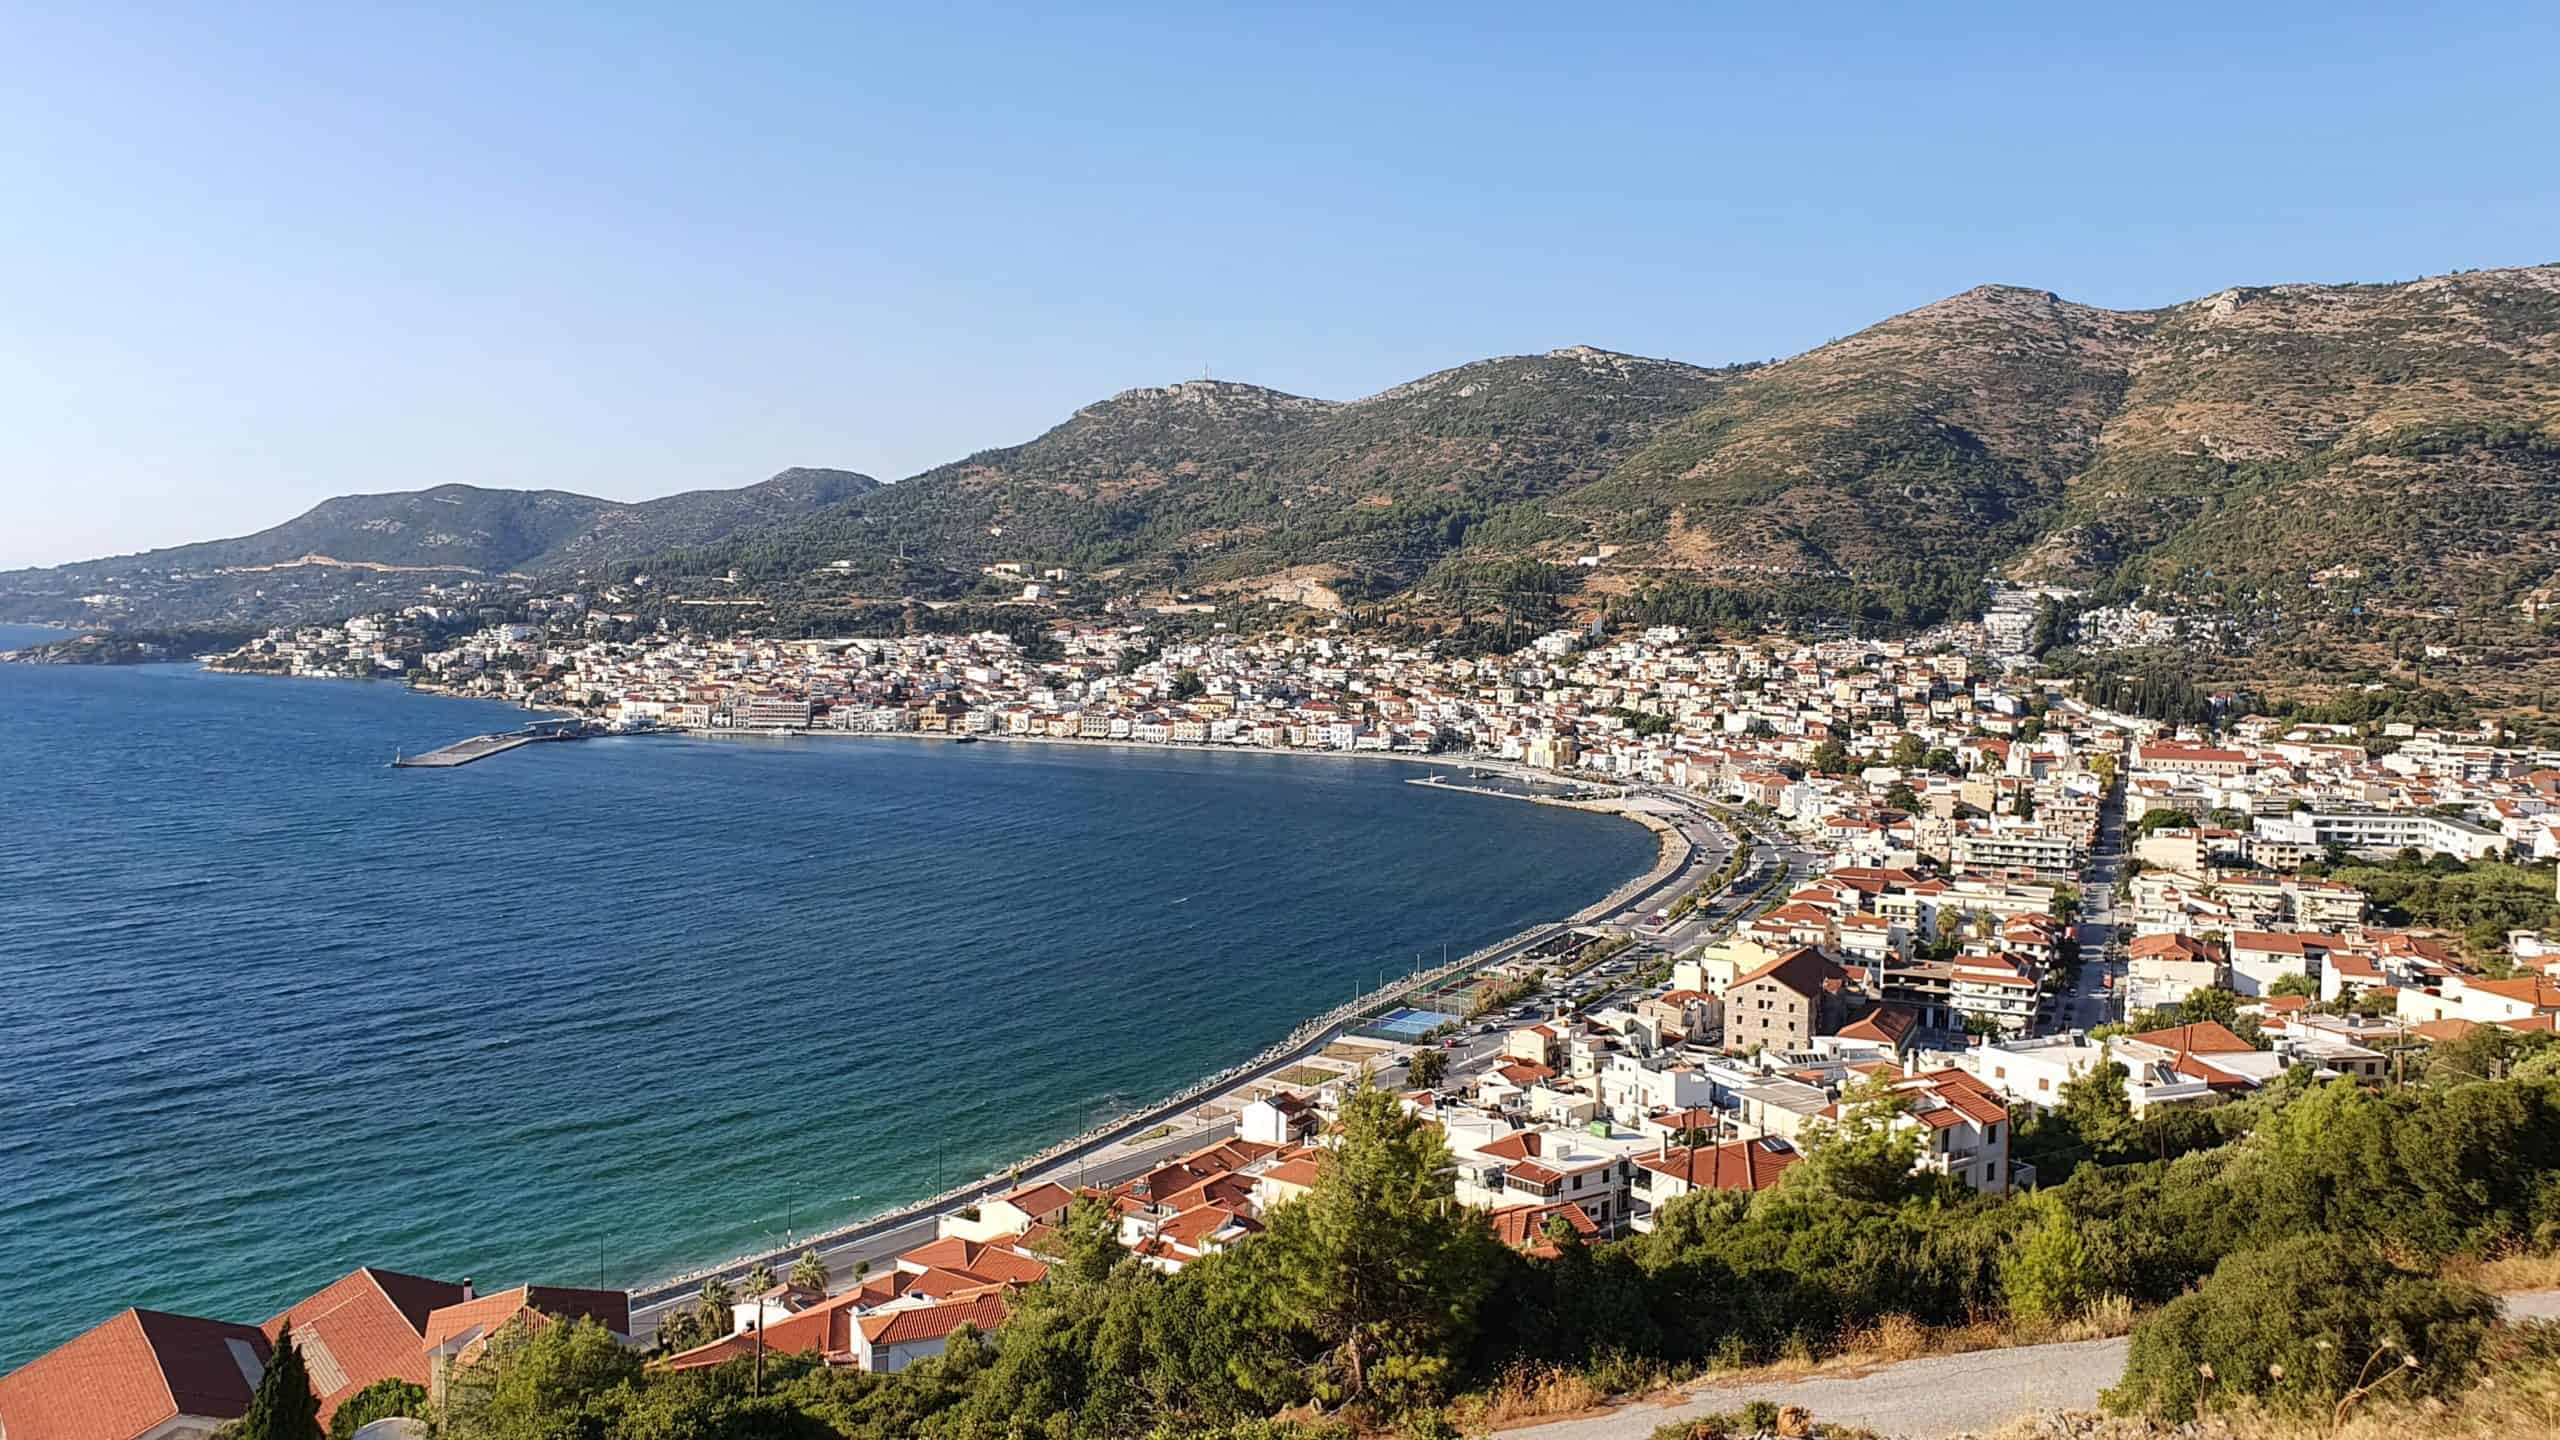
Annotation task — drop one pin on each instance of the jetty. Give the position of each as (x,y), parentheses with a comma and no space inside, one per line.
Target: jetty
(481,747)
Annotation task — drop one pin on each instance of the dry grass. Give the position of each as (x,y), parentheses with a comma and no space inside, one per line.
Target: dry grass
(1896,1338)
(2509,1274)
(1526,1394)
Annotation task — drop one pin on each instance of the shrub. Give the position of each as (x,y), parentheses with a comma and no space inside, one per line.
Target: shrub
(2298,1325)
(382,1400)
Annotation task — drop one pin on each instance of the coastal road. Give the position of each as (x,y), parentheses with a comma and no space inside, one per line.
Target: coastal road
(1109,1164)
(1132,1148)
(1924,1399)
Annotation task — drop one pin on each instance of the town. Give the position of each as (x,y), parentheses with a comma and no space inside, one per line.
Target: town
(1907,883)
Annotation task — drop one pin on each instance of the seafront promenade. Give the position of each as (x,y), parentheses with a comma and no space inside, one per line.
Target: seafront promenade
(1201,1113)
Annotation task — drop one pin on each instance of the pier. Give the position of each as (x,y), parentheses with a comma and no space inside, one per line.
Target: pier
(481,747)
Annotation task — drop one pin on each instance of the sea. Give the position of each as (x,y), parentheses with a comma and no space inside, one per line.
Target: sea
(598,1013)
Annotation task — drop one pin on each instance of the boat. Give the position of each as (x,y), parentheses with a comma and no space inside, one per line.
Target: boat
(965,740)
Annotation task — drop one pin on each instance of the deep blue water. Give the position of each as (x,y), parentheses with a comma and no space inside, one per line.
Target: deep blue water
(595,1013)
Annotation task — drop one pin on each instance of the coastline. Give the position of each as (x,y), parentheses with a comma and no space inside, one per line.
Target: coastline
(1185,1107)
(1237,1083)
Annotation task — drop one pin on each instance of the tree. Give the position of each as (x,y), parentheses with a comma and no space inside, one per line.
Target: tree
(534,1380)
(1830,758)
(759,1280)
(2292,983)
(1428,1067)
(385,1399)
(2098,1110)
(283,1407)
(1377,1271)
(2047,1275)
(2348,1319)
(2206,1002)
(1187,684)
(2153,821)
(809,1272)
(1867,1153)
(1902,797)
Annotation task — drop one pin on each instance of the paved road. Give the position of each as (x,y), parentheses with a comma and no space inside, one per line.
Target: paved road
(1930,1398)
(2090,1004)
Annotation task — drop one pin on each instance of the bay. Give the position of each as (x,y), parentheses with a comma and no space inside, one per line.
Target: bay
(595,1013)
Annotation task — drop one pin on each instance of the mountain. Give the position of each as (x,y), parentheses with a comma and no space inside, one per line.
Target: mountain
(2299,449)
(1213,482)
(379,549)
(2294,453)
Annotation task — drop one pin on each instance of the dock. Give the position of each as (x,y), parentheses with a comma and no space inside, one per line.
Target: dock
(481,747)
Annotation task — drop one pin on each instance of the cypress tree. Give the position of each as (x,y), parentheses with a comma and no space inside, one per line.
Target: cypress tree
(284,1407)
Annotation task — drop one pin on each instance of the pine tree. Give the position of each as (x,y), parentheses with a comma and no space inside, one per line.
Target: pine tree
(284,1407)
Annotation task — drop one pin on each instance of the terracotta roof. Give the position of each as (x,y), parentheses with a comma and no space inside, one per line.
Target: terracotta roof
(1734,1165)
(2539,991)
(2147,947)
(2448,1028)
(1042,1200)
(131,1375)
(366,1327)
(933,1322)
(476,1319)
(1884,1025)
(1802,970)
(2201,1037)
(1967,1093)
(1524,1227)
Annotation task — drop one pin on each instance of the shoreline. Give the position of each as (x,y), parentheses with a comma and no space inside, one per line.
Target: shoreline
(1238,1082)
(1310,1037)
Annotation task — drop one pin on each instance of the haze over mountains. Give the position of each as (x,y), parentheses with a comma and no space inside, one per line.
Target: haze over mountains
(2402,441)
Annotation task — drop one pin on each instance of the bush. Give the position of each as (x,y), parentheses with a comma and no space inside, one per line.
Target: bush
(2298,1325)
(382,1400)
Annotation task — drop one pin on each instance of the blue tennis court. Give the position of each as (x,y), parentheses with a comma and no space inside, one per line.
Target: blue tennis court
(1410,1024)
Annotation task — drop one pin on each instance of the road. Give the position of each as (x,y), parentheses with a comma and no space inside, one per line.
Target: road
(2090,1004)
(1924,1399)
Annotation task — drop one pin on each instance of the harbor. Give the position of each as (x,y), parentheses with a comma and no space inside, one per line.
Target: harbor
(481,747)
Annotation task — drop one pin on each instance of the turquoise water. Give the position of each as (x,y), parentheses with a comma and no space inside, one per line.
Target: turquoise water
(595,1013)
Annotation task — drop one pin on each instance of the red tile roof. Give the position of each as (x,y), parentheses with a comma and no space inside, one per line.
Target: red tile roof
(2200,1037)
(1735,1165)
(1524,1227)
(472,1320)
(933,1322)
(368,1326)
(131,1375)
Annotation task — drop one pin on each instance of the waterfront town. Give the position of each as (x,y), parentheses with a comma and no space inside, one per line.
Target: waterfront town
(1937,893)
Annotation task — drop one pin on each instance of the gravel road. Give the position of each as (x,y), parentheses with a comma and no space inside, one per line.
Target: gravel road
(1925,1399)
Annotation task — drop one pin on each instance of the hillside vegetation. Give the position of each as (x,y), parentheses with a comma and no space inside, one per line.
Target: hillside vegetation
(2303,452)
(2350,459)
(359,550)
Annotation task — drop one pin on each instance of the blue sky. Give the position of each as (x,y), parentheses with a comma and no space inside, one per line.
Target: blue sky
(252,256)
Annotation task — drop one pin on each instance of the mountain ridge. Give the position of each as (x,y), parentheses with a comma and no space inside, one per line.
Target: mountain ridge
(2323,445)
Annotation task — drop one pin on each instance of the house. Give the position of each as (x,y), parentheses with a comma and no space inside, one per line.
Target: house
(144,1375)
(370,1325)
(1044,1203)
(2259,958)
(892,1339)
(1529,1228)
(1785,1003)
(176,1377)
(1281,1119)
(1751,1165)
(457,1334)
(1964,1128)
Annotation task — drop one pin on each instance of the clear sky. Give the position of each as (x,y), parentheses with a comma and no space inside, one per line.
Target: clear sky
(255,255)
